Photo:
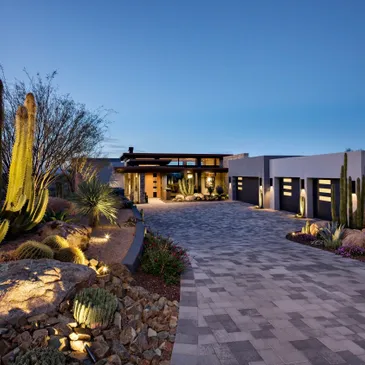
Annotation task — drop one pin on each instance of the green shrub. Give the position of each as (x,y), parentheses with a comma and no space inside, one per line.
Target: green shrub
(94,199)
(51,216)
(55,242)
(33,250)
(331,236)
(161,257)
(94,307)
(41,356)
(71,254)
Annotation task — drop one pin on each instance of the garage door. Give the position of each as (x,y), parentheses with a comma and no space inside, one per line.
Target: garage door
(290,194)
(322,197)
(248,189)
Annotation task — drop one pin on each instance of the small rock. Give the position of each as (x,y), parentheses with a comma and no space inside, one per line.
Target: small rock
(151,333)
(149,355)
(141,344)
(172,338)
(163,335)
(5,347)
(112,334)
(127,335)
(173,322)
(38,318)
(62,329)
(114,360)
(40,338)
(24,340)
(118,320)
(59,343)
(158,352)
(82,334)
(155,297)
(64,306)
(102,362)
(10,357)
(116,281)
(120,350)
(67,320)
(79,346)
(93,262)
(52,321)
(80,356)
(127,301)
(3,331)
(176,303)
(96,332)
(100,348)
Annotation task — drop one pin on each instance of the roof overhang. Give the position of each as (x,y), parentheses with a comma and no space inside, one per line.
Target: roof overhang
(168,169)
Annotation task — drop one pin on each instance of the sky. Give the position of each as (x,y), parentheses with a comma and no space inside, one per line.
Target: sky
(257,76)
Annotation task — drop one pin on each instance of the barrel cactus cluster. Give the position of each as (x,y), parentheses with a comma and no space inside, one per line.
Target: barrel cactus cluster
(23,208)
(44,356)
(94,307)
(33,250)
(71,254)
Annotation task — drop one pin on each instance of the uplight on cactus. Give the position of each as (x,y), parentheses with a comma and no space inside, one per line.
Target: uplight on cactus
(186,186)
(94,307)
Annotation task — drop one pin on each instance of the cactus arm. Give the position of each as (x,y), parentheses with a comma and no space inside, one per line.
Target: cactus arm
(4,227)
(40,210)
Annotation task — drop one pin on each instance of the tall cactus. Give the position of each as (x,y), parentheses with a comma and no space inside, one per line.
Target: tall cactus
(2,119)
(186,186)
(22,208)
(333,204)
(349,192)
(343,192)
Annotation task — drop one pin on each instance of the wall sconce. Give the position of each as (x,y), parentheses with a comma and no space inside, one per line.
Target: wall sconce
(260,181)
(271,181)
(302,184)
(353,187)
(190,176)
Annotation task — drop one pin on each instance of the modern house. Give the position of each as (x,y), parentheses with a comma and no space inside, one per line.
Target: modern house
(281,181)
(157,174)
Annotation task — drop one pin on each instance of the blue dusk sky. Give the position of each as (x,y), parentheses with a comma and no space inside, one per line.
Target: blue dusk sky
(264,77)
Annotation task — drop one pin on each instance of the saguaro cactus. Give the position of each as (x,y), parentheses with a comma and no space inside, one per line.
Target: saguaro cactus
(343,192)
(333,204)
(22,208)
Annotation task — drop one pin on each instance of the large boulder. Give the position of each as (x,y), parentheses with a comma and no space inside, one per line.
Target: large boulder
(354,237)
(316,226)
(76,235)
(32,287)
(190,198)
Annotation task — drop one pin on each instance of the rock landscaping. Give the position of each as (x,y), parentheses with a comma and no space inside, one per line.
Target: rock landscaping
(142,329)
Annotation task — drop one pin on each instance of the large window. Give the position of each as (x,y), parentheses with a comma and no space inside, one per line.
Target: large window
(210,162)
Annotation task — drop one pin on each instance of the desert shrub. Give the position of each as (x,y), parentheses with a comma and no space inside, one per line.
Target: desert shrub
(55,242)
(41,356)
(219,190)
(71,254)
(163,258)
(51,216)
(96,199)
(331,236)
(350,251)
(33,250)
(60,205)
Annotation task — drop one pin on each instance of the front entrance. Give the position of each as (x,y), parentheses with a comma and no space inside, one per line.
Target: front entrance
(153,184)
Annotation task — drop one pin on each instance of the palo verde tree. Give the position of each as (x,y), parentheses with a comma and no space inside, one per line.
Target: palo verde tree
(65,130)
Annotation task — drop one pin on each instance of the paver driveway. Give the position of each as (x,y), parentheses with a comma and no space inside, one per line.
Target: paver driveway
(252,297)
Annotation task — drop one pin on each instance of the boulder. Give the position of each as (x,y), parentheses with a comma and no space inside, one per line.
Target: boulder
(316,226)
(354,238)
(190,198)
(179,197)
(76,235)
(199,196)
(33,287)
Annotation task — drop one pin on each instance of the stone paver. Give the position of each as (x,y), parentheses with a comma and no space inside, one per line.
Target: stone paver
(251,297)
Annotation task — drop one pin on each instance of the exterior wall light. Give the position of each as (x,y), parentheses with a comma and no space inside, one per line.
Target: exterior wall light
(271,182)
(190,176)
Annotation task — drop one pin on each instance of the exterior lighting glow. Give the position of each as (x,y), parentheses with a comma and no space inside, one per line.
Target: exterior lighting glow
(287,187)
(107,236)
(325,198)
(324,182)
(287,193)
(190,176)
(287,180)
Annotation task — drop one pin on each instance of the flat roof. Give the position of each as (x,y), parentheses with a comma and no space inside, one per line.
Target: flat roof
(170,169)
(128,155)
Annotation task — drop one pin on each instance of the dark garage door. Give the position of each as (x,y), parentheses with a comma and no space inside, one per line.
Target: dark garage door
(248,189)
(322,197)
(290,194)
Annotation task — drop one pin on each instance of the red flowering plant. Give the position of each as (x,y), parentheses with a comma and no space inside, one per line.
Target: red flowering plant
(162,257)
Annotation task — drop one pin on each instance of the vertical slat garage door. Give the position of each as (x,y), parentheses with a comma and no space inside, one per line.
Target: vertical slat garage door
(322,197)
(290,194)
(248,189)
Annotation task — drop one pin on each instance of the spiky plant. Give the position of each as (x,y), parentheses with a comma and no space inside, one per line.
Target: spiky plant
(331,236)
(94,199)
(70,254)
(33,250)
(307,228)
(94,307)
(41,356)
(55,242)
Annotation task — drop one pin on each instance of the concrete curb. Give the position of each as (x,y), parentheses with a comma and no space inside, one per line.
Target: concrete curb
(132,259)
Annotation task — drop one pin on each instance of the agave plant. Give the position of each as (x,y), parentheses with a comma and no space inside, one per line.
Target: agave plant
(51,215)
(94,199)
(331,236)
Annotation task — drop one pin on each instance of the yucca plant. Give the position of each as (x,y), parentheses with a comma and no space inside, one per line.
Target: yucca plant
(94,199)
(331,236)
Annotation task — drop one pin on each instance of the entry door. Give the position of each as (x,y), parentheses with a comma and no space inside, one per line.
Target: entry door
(290,194)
